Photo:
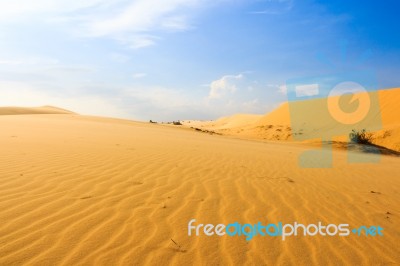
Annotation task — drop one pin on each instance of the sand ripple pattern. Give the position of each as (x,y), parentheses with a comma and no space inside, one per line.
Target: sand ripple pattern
(91,191)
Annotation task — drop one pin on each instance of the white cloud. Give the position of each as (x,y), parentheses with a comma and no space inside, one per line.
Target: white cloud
(35,80)
(307,90)
(137,23)
(177,23)
(282,89)
(139,16)
(301,90)
(134,23)
(136,41)
(224,85)
(127,101)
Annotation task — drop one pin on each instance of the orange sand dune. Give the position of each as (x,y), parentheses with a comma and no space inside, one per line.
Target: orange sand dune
(32,110)
(237,120)
(78,190)
(276,125)
(279,116)
(388,100)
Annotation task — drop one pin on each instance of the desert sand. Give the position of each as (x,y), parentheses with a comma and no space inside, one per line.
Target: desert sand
(276,125)
(81,190)
(32,110)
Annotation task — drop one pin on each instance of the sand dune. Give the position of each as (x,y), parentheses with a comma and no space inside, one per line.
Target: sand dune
(78,190)
(228,122)
(279,116)
(389,136)
(32,110)
(277,125)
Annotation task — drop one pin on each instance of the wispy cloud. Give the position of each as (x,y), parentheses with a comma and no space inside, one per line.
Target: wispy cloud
(275,7)
(176,23)
(136,41)
(142,16)
(224,85)
(307,90)
(133,23)
(93,61)
(137,23)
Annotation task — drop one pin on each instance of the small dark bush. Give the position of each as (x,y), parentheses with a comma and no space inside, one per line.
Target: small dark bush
(153,122)
(360,137)
(177,123)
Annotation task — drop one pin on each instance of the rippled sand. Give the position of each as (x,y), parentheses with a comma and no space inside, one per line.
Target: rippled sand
(78,190)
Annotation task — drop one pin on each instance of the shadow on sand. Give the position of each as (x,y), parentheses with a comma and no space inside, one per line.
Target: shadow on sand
(364,148)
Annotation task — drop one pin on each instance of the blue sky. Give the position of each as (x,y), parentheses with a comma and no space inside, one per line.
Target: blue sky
(186,59)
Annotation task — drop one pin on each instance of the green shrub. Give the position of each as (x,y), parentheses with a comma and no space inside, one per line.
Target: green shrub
(360,137)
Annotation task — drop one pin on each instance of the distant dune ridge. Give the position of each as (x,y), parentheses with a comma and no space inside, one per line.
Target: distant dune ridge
(33,110)
(82,190)
(237,120)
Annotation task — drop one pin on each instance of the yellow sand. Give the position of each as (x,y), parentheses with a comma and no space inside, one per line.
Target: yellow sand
(32,110)
(78,190)
(276,125)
